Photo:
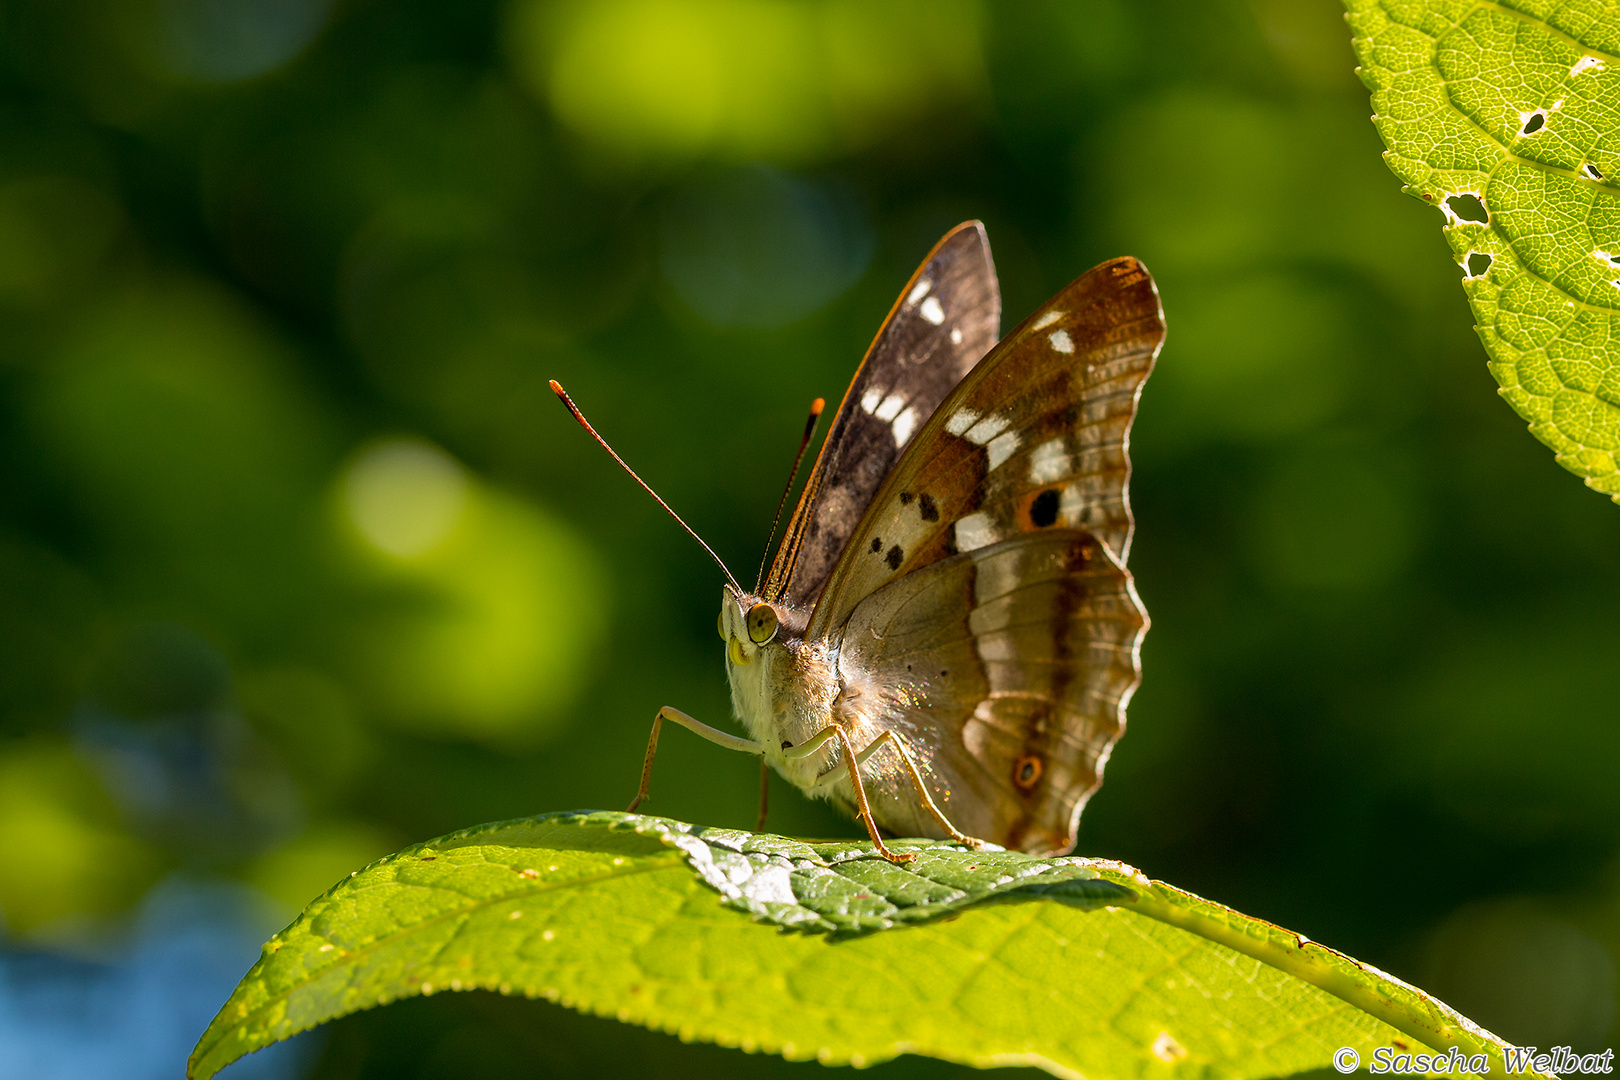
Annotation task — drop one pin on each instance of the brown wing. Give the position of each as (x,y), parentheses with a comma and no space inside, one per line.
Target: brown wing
(1033,439)
(946,318)
(1007,670)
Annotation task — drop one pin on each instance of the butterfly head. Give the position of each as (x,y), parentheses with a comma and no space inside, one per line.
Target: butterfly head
(747,625)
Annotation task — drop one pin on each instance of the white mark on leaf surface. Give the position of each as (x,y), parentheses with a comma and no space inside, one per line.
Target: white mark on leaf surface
(1167,1049)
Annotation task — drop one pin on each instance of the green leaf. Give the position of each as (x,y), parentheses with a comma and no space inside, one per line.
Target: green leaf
(1517,104)
(825,950)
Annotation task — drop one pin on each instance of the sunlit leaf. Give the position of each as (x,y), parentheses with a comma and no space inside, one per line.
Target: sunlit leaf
(1503,115)
(825,951)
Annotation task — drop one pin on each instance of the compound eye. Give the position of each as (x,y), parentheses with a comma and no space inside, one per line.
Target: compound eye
(762,623)
(721,624)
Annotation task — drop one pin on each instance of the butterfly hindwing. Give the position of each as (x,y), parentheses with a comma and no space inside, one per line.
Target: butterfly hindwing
(1007,670)
(1034,438)
(945,320)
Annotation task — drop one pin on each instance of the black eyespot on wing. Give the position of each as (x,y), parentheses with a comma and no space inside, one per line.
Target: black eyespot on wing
(894,557)
(906,497)
(1044,510)
(877,544)
(926,507)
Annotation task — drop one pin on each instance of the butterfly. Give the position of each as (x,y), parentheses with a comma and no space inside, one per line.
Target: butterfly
(948,637)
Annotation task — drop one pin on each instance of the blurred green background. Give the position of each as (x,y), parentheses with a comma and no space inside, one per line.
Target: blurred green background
(300,562)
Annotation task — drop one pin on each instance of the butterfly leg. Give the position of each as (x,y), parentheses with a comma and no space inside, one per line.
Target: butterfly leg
(851,767)
(835,775)
(922,789)
(714,735)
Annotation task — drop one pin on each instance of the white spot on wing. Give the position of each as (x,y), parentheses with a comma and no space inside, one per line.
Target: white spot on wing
(1586,63)
(1061,341)
(1047,320)
(904,425)
(959,421)
(1078,505)
(956,335)
(932,311)
(975,531)
(1049,462)
(870,399)
(890,408)
(981,433)
(1001,448)
(919,292)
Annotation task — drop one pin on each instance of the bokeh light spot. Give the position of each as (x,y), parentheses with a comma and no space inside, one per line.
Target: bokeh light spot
(746,78)
(405,496)
(66,856)
(756,247)
(230,40)
(489,611)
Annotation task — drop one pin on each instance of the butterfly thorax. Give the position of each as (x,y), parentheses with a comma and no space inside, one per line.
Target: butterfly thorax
(782,686)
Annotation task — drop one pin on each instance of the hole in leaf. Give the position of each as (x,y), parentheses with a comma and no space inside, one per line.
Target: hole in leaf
(1534,123)
(1477,263)
(1591,171)
(1468,208)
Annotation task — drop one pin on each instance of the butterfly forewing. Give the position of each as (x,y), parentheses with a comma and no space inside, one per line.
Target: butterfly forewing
(946,319)
(1007,669)
(1034,438)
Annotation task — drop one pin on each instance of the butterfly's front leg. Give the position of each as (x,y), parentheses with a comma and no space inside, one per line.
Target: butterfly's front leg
(714,735)
(851,765)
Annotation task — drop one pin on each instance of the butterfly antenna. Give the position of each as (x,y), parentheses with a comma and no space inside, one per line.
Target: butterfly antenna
(804,444)
(556,388)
